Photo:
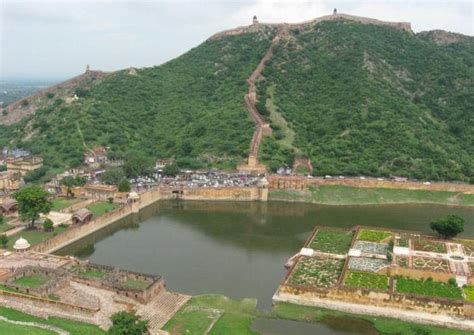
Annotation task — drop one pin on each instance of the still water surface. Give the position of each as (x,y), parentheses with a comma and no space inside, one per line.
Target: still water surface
(237,249)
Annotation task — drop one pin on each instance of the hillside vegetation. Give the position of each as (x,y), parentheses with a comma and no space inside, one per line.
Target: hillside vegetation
(372,100)
(191,108)
(358,99)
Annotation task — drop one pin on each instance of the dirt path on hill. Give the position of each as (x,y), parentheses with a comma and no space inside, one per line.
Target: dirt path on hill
(250,99)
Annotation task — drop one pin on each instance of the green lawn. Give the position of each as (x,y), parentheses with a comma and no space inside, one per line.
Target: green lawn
(469,292)
(93,273)
(428,287)
(385,326)
(61,203)
(345,195)
(367,280)
(11,329)
(136,284)
(373,235)
(194,317)
(332,241)
(34,236)
(73,327)
(32,281)
(102,207)
(5,227)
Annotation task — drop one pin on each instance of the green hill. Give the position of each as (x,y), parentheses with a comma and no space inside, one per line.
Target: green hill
(355,98)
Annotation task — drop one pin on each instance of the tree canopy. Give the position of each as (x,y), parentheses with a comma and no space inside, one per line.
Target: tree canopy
(448,227)
(32,201)
(125,323)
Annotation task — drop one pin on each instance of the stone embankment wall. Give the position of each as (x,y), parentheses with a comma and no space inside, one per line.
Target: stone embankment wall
(335,17)
(302,183)
(456,308)
(147,198)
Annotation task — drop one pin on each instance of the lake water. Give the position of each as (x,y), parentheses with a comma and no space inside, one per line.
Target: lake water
(236,249)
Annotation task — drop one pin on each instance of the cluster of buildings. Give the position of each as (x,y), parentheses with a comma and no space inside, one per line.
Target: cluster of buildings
(16,164)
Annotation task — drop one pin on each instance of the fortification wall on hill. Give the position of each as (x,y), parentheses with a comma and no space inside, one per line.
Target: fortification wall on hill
(406,26)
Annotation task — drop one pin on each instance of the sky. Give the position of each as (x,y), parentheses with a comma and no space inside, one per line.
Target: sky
(56,39)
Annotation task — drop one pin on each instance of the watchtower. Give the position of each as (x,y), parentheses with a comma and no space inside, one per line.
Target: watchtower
(88,68)
(255,20)
(334,12)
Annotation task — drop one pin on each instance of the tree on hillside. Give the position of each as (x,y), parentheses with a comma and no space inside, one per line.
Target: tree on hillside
(124,186)
(48,225)
(449,226)
(137,164)
(125,323)
(32,201)
(171,170)
(112,176)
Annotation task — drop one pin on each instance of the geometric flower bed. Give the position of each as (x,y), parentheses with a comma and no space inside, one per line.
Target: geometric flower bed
(371,247)
(428,287)
(403,241)
(402,262)
(427,245)
(332,241)
(431,264)
(468,248)
(318,272)
(367,264)
(373,235)
(366,280)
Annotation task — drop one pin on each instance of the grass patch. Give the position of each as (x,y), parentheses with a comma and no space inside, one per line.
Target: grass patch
(428,287)
(93,274)
(367,280)
(385,326)
(73,327)
(32,281)
(194,317)
(135,284)
(102,207)
(336,242)
(53,296)
(373,235)
(469,292)
(345,195)
(11,329)
(61,203)
(319,272)
(34,236)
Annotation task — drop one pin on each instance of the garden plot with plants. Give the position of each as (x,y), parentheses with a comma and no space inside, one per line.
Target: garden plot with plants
(366,280)
(423,244)
(431,264)
(332,241)
(317,272)
(367,264)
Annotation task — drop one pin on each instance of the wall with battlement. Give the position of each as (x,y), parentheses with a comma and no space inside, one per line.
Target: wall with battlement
(406,26)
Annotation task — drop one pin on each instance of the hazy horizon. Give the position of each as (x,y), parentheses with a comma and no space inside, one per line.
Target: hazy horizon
(51,40)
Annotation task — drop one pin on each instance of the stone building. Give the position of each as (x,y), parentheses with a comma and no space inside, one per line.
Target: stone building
(81,216)
(24,165)
(10,181)
(100,191)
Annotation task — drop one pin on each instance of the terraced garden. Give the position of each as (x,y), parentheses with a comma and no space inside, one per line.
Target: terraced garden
(468,247)
(332,241)
(428,245)
(428,288)
(366,280)
(318,272)
(430,264)
(373,235)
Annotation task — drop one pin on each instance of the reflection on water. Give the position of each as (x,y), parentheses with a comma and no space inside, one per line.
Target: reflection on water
(237,249)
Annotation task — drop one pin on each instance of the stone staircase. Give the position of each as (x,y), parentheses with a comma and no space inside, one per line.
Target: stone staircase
(160,309)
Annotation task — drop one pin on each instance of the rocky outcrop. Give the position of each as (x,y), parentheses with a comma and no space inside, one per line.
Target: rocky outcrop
(441,37)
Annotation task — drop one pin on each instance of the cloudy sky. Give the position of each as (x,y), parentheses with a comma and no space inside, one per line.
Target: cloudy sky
(56,39)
